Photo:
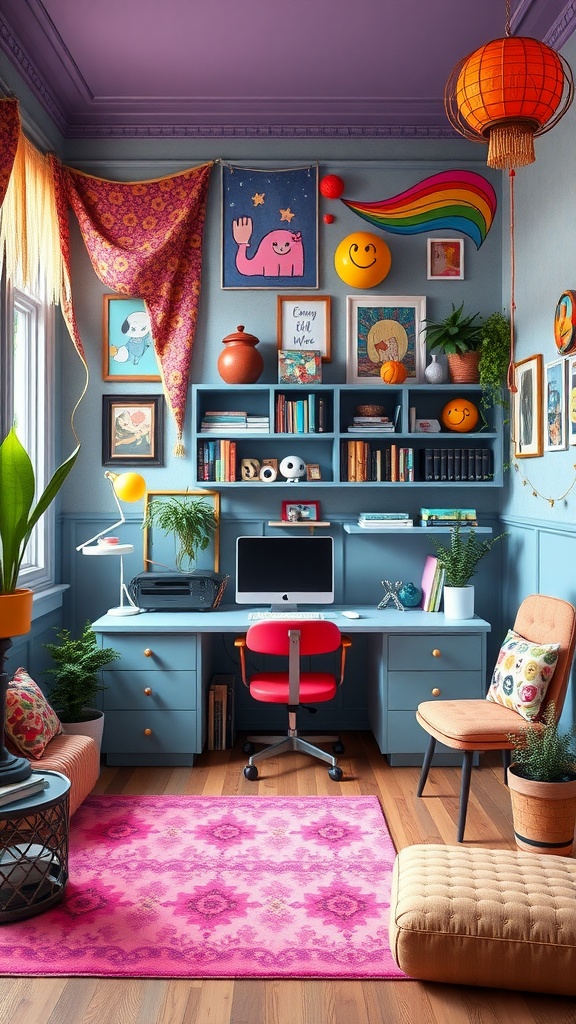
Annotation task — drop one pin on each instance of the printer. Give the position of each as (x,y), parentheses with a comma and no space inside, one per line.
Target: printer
(198,591)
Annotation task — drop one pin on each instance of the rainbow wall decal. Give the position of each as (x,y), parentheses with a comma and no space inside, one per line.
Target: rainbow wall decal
(461,200)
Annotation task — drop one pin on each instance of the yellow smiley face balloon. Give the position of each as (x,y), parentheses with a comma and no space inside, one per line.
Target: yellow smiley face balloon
(362,260)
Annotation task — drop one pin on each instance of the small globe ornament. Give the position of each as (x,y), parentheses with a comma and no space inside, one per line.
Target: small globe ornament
(410,595)
(292,468)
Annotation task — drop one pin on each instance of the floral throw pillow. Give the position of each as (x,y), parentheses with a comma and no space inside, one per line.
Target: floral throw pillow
(522,674)
(31,722)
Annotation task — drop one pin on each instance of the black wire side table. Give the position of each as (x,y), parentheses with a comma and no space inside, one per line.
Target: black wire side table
(34,835)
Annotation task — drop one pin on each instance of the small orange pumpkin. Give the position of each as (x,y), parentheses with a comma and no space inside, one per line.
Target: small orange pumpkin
(460,415)
(393,372)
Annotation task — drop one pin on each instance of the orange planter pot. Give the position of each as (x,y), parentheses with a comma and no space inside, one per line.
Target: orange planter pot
(544,814)
(463,368)
(15,613)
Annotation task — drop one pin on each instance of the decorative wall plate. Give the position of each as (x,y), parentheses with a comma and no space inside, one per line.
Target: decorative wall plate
(565,323)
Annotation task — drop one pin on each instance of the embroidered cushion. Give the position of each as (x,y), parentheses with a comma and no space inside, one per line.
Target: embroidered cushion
(31,722)
(522,674)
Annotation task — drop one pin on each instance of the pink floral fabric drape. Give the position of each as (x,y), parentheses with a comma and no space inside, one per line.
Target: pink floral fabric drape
(9,136)
(144,240)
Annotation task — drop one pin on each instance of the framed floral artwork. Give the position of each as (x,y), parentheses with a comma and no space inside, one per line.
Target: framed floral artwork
(132,430)
(527,408)
(382,328)
(555,433)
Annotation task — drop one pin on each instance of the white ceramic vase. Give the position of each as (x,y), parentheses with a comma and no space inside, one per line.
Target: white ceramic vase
(435,372)
(459,602)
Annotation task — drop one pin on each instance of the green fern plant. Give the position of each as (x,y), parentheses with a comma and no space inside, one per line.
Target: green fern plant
(192,522)
(545,755)
(77,672)
(460,560)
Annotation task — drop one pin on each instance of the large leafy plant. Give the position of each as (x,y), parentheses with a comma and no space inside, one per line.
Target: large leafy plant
(543,754)
(460,560)
(78,663)
(456,333)
(18,514)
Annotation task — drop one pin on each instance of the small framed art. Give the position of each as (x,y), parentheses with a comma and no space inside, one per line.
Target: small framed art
(445,259)
(565,323)
(300,511)
(297,367)
(132,430)
(527,408)
(382,328)
(303,323)
(127,346)
(555,432)
(313,472)
(571,386)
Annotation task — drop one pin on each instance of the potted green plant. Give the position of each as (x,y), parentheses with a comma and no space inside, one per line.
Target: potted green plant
(18,517)
(460,562)
(494,359)
(192,522)
(77,680)
(542,783)
(459,338)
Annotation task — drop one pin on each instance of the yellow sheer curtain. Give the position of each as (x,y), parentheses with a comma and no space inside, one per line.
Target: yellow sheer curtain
(29,233)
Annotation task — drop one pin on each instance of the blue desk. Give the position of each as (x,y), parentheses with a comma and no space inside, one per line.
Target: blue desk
(155,701)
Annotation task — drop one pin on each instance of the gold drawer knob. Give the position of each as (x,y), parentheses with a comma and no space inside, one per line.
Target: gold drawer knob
(436,653)
(436,692)
(148,652)
(147,732)
(148,691)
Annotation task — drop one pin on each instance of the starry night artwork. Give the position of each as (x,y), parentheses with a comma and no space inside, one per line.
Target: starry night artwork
(269,227)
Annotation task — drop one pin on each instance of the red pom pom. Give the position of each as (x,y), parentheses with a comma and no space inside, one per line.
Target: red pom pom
(329,218)
(331,186)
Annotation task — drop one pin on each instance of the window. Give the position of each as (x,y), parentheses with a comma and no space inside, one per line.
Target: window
(27,376)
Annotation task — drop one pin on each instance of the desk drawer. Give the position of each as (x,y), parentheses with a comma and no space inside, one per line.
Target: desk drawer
(167,650)
(124,732)
(169,689)
(457,651)
(408,689)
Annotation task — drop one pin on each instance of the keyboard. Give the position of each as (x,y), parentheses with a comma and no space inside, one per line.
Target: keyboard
(285,615)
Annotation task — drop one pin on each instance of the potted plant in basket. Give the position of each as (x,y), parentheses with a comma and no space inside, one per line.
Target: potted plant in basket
(542,783)
(459,337)
(192,522)
(77,681)
(460,562)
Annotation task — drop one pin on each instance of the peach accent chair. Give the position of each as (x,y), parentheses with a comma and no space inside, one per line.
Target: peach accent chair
(477,725)
(293,639)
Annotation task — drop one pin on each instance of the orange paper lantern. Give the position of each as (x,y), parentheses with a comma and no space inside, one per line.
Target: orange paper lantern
(506,93)
(393,372)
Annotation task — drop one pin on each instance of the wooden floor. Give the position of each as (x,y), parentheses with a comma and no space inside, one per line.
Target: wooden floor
(411,820)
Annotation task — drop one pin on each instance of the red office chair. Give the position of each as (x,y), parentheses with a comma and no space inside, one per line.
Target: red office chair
(294,639)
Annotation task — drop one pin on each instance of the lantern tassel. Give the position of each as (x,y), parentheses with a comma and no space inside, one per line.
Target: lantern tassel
(511,145)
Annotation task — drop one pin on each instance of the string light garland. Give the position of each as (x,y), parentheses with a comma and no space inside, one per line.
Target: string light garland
(526,482)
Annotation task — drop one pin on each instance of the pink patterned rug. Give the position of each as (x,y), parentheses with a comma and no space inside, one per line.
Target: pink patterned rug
(217,887)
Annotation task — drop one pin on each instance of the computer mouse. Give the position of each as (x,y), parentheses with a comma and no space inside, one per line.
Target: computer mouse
(351,615)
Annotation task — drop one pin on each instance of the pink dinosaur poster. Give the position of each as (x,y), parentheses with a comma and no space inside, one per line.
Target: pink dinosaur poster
(270,227)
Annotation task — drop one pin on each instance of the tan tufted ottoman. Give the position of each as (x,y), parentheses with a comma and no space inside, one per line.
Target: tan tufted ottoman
(499,918)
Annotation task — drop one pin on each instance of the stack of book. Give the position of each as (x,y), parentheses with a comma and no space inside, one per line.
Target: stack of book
(19,790)
(448,516)
(221,712)
(384,520)
(228,421)
(372,424)
(431,585)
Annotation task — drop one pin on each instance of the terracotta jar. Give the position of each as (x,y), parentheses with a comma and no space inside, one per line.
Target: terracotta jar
(240,363)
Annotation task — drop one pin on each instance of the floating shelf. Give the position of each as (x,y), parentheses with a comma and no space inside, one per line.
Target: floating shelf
(431,531)
(307,524)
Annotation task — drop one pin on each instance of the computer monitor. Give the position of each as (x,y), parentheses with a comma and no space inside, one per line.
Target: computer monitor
(284,572)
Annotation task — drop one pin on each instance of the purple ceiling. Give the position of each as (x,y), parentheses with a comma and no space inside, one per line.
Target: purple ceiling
(256,67)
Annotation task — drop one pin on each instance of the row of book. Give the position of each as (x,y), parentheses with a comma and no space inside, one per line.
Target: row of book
(464,463)
(300,415)
(432,584)
(221,712)
(217,461)
(232,421)
(362,462)
(383,520)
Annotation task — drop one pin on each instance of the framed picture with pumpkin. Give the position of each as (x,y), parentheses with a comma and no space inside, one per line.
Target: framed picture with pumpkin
(385,329)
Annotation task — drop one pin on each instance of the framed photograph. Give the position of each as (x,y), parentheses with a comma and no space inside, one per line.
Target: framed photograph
(270,227)
(445,259)
(313,472)
(527,408)
(132,430)
(161,549)
(303,323)
(127,346)
(300,511)
(571,385)
(555,432)
(384,327)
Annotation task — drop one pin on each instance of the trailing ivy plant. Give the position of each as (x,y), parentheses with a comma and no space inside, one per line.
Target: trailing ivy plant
(460,560)
(192,522)
(494,360)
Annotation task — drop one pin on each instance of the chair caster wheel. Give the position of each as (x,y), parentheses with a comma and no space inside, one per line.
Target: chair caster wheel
(338,747)
(248,748)
(251,772)
(335,773)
